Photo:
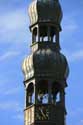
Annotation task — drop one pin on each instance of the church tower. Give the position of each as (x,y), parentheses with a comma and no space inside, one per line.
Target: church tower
(46,69)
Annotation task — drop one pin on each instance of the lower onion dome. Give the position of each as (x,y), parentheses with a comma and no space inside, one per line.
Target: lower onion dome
(47,63)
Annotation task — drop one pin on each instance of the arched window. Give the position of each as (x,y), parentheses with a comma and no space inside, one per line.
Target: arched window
(56,92)
(29,94)
(42,91)
(34,35)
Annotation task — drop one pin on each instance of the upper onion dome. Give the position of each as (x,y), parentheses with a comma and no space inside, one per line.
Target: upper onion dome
(45,11)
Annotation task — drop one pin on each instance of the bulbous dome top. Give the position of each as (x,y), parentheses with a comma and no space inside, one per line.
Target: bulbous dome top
(45,11)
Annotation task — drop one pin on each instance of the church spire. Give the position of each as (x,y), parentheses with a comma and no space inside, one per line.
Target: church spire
(46,69)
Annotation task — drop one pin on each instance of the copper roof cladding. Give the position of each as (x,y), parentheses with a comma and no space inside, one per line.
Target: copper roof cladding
(46,63)
(45,11)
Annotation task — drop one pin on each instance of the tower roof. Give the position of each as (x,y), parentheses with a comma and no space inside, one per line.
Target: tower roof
(46,63)
(45,11)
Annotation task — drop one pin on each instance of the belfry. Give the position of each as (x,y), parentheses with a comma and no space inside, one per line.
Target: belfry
(46,69)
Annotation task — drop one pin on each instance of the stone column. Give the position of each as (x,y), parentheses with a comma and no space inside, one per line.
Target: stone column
(57,40)
(32,37)
(62,97)
(48,33)
(38,33)
(49,93)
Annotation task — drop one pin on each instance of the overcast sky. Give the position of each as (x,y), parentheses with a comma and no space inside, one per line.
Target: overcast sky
(15,40)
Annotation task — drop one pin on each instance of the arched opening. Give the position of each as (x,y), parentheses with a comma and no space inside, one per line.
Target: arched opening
(43,33)
(46,38)
(53,34)
(56,87)
(29,94)
(34,35)
(42,92)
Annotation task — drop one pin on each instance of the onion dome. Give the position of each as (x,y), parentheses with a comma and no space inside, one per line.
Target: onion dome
(27,67)
(45,11)
(46,63)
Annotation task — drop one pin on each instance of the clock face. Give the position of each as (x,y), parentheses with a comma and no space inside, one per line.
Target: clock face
(42,113)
